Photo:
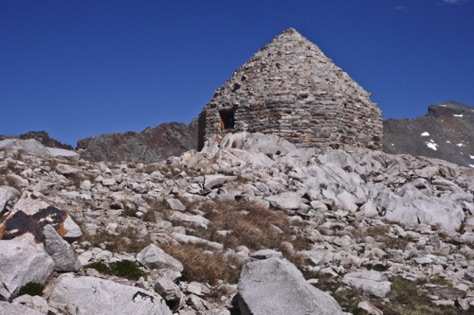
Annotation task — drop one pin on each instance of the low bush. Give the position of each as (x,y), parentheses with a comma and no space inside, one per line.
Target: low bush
(31,288)
(99,266)
(123,268)
(126,269)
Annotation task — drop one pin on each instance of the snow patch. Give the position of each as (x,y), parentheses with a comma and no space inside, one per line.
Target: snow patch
(471,165)
(471,156)
(393,145)
(425,134)
(448,141)
(461,145)
(460,115)
(432,145)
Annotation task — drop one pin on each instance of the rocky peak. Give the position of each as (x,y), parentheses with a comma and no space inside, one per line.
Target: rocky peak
(450,108)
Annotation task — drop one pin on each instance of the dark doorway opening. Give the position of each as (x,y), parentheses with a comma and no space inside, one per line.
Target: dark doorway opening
(227,119)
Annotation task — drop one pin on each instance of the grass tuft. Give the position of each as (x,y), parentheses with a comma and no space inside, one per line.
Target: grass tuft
(204,266)
(127,240)
(249,224)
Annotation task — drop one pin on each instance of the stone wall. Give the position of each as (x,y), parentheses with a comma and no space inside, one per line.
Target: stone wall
(290,88)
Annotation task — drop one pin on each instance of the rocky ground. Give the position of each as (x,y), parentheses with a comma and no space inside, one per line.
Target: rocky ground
(248,226)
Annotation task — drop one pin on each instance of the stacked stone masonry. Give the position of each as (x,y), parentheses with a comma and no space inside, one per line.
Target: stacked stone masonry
(291,89)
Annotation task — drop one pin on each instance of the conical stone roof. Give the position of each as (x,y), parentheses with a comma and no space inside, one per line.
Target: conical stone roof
(290,88)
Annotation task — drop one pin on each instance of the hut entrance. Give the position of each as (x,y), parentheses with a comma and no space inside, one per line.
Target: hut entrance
(227,119)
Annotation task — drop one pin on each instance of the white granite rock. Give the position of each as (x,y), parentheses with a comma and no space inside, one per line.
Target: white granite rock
(21,262)
(275,286)
(7,194)
(154,257)
(92,295)
(36,302)
(286,200)
(60,251)
(17,309)
(369,281)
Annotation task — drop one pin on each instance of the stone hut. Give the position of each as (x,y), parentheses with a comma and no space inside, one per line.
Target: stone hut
(291,89)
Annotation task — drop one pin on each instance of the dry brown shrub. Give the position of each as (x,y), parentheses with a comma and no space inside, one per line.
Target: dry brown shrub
(148,168)
(149,216)
(127,240)
(250,225)
(203,266)
(380,235)
(247,224)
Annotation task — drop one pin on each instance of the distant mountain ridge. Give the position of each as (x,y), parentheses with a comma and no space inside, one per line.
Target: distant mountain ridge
(150,145)
(41,136)
(446,132)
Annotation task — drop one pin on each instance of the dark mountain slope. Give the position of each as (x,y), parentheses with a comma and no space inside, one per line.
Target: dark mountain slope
(150,145)
(445,132)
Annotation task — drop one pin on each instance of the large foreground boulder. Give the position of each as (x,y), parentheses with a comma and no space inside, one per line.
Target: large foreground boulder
(275,286)
(20,263)
(90,295)
(17,309)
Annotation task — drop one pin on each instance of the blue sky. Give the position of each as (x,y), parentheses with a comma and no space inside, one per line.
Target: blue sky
(84,68)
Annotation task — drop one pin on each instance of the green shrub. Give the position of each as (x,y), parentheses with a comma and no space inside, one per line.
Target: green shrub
(99,266)
(123,268)
(32,288)
(126,269)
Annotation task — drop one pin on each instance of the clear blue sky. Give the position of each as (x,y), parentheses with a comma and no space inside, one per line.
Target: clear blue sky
(88,67)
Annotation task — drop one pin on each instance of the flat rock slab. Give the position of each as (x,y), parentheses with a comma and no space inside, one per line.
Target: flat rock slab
(98,296)
(21,262)
(195,220)
(287,200)
(275,286)
(215,181)
(64,153)
(175,204)
(370,281)
(190,239)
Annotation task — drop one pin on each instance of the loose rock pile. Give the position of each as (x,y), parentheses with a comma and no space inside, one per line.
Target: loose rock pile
(171,237)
